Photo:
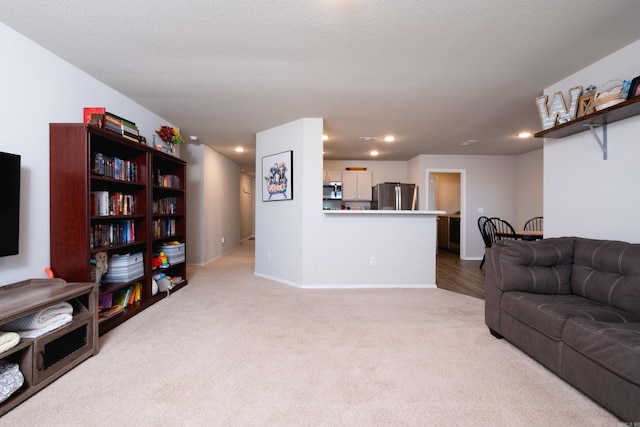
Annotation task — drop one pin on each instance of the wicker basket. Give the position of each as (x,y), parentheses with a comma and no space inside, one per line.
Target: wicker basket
(609,94)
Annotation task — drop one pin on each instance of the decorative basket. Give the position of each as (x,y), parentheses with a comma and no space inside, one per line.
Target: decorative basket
(609,94)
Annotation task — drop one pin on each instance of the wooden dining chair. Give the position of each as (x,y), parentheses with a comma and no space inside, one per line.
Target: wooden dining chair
(485,237)
(534,224)
(503,227)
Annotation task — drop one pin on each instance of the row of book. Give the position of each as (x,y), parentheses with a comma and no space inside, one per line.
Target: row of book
(115,233)
(105,203)
(114,168)
(112,304)
(167,205)
(168,181)
(164,227)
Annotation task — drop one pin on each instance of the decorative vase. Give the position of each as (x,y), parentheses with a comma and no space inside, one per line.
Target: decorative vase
(172,148)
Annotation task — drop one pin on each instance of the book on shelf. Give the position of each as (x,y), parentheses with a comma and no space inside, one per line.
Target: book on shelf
(88,111)
(104,203)
(116,233)
(125,128)
(136,293)
(114,168)
(106,308)
(121,297)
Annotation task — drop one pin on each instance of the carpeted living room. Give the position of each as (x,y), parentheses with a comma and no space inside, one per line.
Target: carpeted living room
(235,349)
(193,229)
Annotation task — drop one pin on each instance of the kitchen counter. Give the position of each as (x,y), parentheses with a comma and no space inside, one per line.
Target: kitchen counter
(378,212)
(367,248)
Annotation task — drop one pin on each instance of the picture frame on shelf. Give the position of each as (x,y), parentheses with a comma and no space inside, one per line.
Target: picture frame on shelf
(586,104)
(277,177)
(634,89)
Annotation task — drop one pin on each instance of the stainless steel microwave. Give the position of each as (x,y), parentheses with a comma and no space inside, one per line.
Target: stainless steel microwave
(332,190)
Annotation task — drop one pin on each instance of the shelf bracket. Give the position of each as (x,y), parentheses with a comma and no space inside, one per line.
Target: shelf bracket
(601,142)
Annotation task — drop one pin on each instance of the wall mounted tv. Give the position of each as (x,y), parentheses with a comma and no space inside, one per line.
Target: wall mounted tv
(9,203)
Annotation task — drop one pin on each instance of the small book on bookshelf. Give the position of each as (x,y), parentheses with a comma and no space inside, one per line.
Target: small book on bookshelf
(88,111)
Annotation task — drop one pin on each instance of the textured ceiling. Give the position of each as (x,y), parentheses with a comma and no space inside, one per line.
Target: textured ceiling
(433,73)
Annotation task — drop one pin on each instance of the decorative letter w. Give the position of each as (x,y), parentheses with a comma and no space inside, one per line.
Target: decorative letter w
(559,111)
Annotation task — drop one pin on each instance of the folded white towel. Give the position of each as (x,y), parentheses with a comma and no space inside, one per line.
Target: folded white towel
(8,340)
(57,321)
(40,319)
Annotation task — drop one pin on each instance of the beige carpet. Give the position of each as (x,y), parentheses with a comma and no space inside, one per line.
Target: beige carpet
(232,349)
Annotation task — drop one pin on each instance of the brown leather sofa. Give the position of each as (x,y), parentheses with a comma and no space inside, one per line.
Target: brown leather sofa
(573,304)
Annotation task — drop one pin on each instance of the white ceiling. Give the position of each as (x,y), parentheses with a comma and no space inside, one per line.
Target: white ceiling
(432,73)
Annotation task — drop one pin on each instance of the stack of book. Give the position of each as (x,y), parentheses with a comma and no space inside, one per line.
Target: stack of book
(98,116)
(121,126)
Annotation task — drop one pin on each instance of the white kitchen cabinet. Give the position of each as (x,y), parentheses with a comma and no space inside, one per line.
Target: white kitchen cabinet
(356,186)
(332,176)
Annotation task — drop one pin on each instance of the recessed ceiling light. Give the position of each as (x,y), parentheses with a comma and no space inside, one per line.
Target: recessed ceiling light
(525,134)
(469,142)
(193,138)
(325,137)
(367,138)
(389,138)
(374,153)
(239,149)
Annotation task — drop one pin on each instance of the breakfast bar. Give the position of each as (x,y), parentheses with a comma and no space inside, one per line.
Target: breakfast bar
(380,248)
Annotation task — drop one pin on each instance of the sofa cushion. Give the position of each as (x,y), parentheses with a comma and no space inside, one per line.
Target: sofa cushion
(614,346)
(549,313)
(542,267)
(608,272)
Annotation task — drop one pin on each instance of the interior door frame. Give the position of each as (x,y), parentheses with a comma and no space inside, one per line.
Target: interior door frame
(463,203)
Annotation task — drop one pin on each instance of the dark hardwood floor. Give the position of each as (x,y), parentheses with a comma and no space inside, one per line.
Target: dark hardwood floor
(461,276)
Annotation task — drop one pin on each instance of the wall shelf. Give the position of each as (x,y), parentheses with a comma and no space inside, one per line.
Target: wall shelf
(598,119)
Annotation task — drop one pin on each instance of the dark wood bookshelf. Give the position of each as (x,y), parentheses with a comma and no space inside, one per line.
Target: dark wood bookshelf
(74,148)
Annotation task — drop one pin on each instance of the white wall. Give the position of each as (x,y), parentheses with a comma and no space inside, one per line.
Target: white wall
(584,194)
(39,88)
(213,204)
(280,230)
(530,188)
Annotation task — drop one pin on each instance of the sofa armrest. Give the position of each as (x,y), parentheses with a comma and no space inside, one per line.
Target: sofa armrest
(542,267)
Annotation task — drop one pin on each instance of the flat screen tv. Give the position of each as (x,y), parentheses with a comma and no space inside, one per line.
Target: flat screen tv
(9,203)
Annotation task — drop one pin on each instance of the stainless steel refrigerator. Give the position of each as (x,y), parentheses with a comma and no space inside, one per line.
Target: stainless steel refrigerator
(394,196)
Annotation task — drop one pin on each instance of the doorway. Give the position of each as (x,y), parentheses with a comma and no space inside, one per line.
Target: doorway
(446,191)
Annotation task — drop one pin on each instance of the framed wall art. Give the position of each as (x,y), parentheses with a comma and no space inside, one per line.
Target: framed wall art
(634,89)
(277,177)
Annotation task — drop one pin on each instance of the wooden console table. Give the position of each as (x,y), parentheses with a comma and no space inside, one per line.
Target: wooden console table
(47,357)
